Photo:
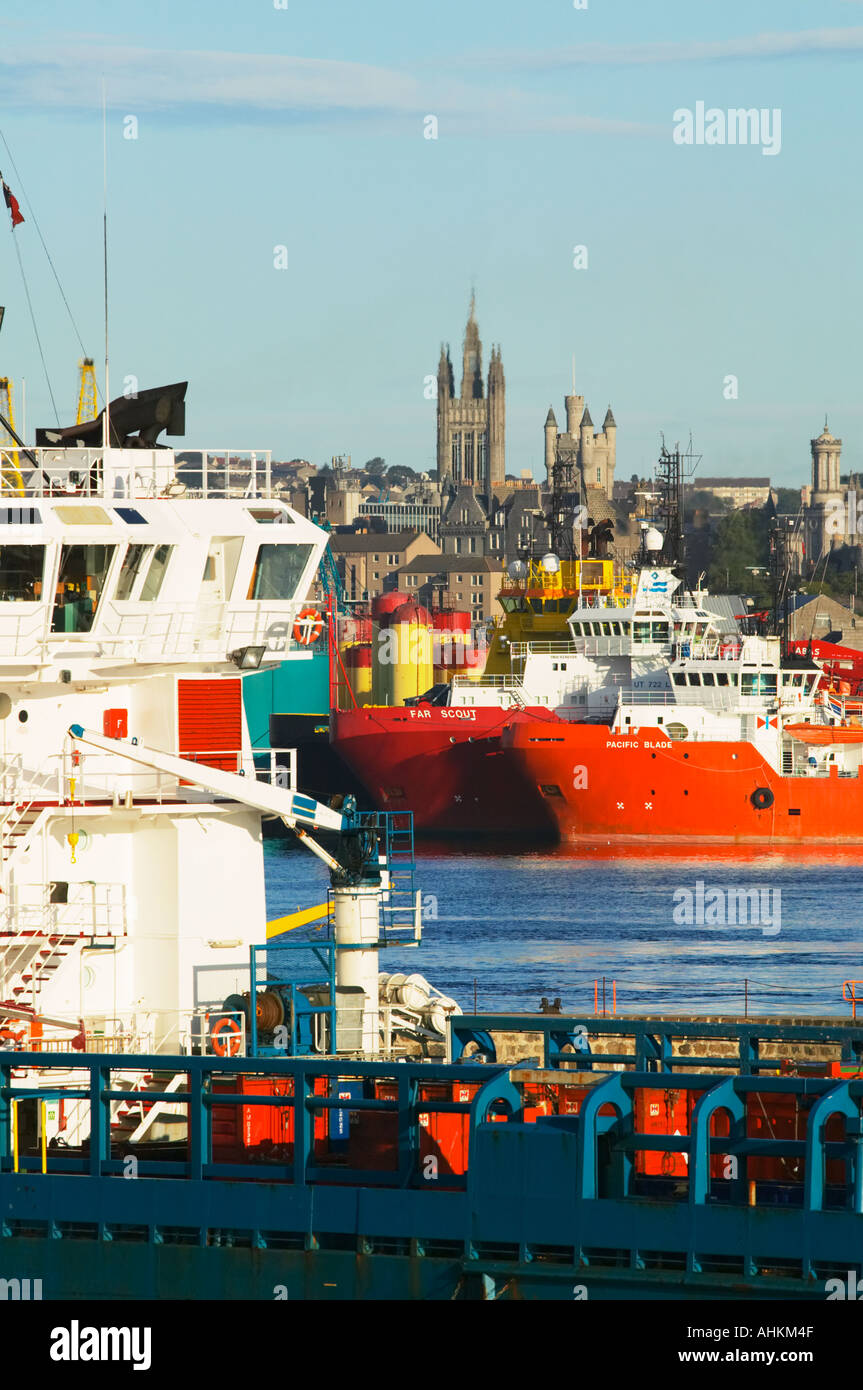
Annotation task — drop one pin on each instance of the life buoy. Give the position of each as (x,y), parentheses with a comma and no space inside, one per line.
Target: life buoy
(761,798)
(225,1036)
(308,626)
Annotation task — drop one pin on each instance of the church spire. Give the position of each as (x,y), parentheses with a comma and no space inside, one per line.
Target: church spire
(471,380)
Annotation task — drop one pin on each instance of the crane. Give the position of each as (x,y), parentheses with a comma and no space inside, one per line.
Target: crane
(365,868)
(86,391)
(10,470)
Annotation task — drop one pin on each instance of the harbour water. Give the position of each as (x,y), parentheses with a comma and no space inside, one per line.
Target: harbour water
(509,926)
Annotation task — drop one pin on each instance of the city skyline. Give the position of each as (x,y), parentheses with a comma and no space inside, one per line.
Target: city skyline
(234,133)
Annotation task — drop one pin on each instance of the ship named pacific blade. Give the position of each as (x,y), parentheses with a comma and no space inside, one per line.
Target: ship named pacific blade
(749,750)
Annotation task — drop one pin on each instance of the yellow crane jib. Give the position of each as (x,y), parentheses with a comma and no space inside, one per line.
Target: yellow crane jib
(301,918)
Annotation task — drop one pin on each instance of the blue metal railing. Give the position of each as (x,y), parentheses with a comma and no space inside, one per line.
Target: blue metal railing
(656,1043)
(569,1183)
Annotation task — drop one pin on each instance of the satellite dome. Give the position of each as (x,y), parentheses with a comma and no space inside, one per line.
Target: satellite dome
(550,563)
(517,570)
(653,539)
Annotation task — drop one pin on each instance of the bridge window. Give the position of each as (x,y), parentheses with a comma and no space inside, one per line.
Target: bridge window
(278,571)
(133,565)
(81,579)
(151,588)
(21,569)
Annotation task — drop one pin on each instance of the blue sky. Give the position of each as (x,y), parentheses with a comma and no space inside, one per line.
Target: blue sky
(303,127)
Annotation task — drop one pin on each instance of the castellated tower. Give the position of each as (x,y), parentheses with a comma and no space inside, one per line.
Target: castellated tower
(471,427)
(594,453)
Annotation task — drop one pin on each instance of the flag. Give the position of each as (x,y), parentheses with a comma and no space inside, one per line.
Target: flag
(12,205)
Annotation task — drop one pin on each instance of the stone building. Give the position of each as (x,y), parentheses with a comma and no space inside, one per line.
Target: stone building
(367,563)
(471,427)
(826,523)
(593,453)
(468,584)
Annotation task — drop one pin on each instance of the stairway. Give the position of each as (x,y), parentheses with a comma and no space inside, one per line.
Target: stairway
(16,827)
(30,954)
(130,1119)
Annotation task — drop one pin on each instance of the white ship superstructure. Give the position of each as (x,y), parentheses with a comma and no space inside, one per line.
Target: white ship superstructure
(130,603)
(615,644)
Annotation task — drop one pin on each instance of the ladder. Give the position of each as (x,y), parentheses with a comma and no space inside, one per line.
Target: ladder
(399,918)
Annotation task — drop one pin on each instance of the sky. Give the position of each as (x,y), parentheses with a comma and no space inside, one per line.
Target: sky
(302,125)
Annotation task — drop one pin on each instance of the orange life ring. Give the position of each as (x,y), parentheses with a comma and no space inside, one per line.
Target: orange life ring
(225,1036)
(308,626)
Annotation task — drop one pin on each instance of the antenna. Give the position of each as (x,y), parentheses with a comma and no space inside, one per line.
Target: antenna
(106,418)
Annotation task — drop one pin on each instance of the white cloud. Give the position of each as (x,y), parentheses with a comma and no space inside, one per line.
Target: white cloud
(257,86)
(808,43)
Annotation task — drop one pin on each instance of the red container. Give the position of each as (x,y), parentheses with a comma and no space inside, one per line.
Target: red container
(410,612)
(240,1131)
(385,604)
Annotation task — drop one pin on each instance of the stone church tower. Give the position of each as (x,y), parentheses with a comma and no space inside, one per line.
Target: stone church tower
(825,514)
(471,427)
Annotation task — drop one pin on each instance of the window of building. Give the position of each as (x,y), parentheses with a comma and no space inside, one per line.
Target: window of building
(456,456)
(468,458)
(598,476)
(482,452)
(459,578)
(392,559)
(376,575)
(472,545)
(277,572)
(80,582)
(21,569)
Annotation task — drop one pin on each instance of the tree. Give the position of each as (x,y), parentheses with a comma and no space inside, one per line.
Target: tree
(400,475)
(787,500)
(376,467)
(741,546)
(701,499)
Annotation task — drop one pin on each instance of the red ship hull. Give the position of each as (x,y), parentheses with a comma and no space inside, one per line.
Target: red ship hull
(443,763)
(644,787)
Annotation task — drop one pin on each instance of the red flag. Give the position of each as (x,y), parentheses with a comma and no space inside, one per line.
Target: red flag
(12,205)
